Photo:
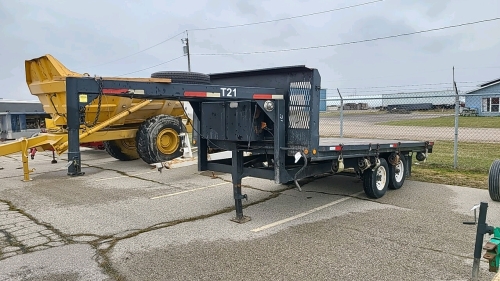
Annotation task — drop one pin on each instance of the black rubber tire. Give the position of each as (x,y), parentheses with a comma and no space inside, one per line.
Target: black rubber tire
(370,180)
(393,182)
(494,180)
(147,134)
(183,77)
(112,147)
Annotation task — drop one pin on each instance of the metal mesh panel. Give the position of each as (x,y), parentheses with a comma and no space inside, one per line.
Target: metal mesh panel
(299,107)
(299,114)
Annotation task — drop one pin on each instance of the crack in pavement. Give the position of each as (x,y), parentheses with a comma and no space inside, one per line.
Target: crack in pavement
(11,242)
(103,244)
(105,262)
(130,176)
(409,244)
(22,233)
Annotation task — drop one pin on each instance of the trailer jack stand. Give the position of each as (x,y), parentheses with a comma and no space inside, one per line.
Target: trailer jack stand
(74,168)
(24,156)
(237,174)
(492,247)
(54,161)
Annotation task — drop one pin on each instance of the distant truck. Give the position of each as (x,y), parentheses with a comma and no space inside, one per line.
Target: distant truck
(410,107)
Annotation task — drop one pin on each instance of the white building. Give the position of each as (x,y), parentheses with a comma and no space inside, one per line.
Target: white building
(20,118)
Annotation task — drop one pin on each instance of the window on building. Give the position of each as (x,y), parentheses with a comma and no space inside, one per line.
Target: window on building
(491,104)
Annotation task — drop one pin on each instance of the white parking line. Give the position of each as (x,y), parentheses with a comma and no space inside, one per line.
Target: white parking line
(305,213)
(191,190)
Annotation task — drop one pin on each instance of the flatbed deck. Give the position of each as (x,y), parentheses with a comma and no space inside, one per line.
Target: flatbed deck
(328,142)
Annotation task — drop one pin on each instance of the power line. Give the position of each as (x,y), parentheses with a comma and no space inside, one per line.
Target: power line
(240,25)
(340,44)
(345,43)
(409,85)
(138,52)
(405,90)
(288,18)
(151,66)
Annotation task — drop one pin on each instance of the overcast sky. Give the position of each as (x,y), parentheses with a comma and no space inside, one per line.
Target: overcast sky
(85,34)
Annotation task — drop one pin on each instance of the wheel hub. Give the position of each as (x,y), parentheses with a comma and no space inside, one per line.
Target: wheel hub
(167,141)
(399,171)
(381,178)
(128,143)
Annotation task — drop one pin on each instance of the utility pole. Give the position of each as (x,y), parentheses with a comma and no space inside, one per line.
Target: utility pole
(185,41)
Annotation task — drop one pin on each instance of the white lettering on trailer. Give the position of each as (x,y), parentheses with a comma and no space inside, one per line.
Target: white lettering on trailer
(228,92)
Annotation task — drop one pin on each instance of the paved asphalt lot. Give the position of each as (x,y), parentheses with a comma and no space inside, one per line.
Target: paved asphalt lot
(125,221)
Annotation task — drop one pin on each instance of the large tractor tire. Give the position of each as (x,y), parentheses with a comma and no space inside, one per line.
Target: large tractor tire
(494,180)
(123,150)
(158,139)
(183,77)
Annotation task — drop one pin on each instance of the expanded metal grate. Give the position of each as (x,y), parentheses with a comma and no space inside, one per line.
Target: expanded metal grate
(299,107)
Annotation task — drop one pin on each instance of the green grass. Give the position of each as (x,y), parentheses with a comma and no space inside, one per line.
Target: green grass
(474,160)
(449,121)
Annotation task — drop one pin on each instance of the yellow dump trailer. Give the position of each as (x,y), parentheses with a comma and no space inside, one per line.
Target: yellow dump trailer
(129,128)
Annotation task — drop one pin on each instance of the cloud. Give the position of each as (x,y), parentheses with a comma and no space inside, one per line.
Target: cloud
(85,36)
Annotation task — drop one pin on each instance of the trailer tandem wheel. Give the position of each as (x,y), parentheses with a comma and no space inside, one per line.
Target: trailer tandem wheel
(397,173)
(494,180)
(158,139)
(123,150)
(375,183)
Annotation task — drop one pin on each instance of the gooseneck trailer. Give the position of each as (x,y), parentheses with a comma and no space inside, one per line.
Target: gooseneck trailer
(271,113)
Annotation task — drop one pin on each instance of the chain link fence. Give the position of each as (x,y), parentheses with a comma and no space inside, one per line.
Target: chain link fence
(465,127)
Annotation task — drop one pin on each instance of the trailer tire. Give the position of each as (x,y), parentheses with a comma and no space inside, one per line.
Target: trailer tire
(375,183)
(158,139)
(183,77)
(123,150)
(397,179)
(494,180)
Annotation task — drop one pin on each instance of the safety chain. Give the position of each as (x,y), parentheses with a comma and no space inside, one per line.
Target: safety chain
(99,81)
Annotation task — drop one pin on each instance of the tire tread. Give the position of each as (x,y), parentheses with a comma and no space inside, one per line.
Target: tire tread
(369,184)
(114,151)
(493,180)
(183,77)
(146,145)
